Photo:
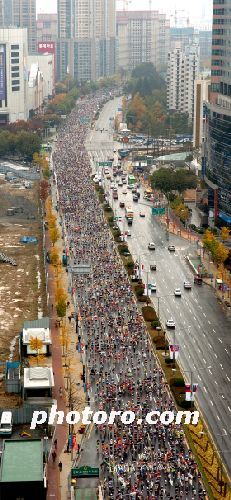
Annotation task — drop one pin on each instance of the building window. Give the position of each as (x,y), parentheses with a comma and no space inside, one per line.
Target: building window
(14,54)
(14,47)
(15,82)
(14,75)
(14,68)
(15,89)
(14,61)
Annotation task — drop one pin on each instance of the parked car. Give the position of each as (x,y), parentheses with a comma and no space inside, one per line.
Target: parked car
(171,248)
(151,246)
(122,204)
(152,267)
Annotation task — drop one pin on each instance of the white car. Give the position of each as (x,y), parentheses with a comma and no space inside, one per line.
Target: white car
(124,191)
(120,183)
(128,233)
(187,285)
(170,323)
(177,292)
(171,248)
(152,287)
(151,246)
(130,186)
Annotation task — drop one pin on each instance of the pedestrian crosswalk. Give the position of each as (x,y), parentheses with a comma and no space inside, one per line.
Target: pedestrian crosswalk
(6,259)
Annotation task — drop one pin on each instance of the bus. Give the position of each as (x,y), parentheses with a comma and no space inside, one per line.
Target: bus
(131,180)
(129,214)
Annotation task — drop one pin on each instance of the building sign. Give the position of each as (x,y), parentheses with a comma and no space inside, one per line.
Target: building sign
(2,72)
(85,471)
(44,47)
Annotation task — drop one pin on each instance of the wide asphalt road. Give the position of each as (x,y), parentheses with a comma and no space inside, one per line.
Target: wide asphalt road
(202,327)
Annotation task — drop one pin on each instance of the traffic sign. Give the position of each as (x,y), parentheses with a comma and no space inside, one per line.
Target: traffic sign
(104,163)
(85,471)
(158,211)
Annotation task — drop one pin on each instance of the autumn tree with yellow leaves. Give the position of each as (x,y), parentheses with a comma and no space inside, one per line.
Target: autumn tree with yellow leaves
(36,345)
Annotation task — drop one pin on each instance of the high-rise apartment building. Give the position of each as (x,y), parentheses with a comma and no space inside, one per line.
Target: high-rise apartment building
(47,27)
(143,36)
(183,70)
(86,39)
(20,14)
(216,156)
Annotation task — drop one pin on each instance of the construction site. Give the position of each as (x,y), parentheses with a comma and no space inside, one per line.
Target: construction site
(22,280)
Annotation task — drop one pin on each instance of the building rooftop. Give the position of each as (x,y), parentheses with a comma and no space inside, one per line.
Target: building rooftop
(22,461)
(42,334)
(38,378)
(37,323)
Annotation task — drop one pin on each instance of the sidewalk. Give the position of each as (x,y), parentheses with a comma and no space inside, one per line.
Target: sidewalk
(58,481)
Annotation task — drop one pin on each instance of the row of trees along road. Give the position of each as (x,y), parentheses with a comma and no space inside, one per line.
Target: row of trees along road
(147,110)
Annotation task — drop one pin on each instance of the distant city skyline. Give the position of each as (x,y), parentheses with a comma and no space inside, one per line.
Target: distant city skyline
(198,12)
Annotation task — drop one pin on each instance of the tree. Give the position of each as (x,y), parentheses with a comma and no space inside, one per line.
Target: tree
(61,307)
(54,257)
(221,253)
(54,234)
(36,345)
(225,233)
(169,180)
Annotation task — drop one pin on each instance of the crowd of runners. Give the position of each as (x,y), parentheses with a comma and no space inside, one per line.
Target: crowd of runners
(138,460)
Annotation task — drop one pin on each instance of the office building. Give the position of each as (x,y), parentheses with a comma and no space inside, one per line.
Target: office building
(20,14)
(47,27)
(205,44)
(86,47)
(201,94)
(26,82)
(143,36)
(181,37)
(183,70)
(216,155)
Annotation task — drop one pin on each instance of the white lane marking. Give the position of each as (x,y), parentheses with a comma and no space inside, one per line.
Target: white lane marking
(221,366)
(215,355)
(210,372)
(199,377)
(215,382)
(196,300)
(222,395)
(218,418)
(228,378)
(194,340)
(211,402)
(220,340)
(229,408)
(198,326)
(204,315)
(205,389)
(209,322)
(204,360)
(227,351)
(210,346)
(214,330)
(194,318)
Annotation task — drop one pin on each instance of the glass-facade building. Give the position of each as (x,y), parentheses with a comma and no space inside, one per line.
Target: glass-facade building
(217,153)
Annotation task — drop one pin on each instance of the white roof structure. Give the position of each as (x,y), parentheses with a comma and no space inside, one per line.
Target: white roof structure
(38,377)
(43,334)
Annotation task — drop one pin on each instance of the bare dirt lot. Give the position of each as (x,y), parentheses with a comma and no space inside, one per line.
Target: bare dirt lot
(22,288)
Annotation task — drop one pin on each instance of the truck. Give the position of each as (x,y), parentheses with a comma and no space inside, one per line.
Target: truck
(129,214)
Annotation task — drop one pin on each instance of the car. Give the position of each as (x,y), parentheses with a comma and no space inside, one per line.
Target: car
(152,267)
(177,292)
(120,183)
(134,190)
(142,214)
(151,246)
(138,194)
(124,181)
(152,287)
(171,248)
(187,285)
(129,186)
(170,323)
(135,198)
(122,204)
(128,233)
(124,191)
(130,221)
